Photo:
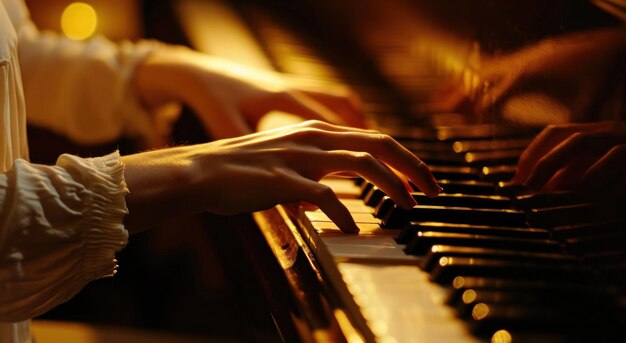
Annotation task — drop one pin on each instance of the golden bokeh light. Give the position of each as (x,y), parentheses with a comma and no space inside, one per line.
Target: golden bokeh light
(501,336)
(79,21)
(480,311)
(469,296)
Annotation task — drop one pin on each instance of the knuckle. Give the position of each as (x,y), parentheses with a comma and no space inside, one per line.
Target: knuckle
(385,140)
(363,157)
(313,123)
(324,192)
(305,134)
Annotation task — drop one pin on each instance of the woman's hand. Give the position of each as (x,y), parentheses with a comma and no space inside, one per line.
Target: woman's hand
(260,170)
(230,99)
(582,156)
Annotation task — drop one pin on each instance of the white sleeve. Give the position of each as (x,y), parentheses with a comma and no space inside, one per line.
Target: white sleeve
(83,90)
(60,227)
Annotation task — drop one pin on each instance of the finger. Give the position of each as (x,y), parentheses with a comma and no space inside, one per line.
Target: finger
(386,149)
(608,168)
(570,176)
(496,92)
(323,197)
(222,121)
(302,105)
(371,169)
(450,97)
(322,125)
(574,146)
(545,142)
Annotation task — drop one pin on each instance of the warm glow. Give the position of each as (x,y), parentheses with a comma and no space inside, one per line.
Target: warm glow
(469,296)
(79,21)
(480,311)
(458,282)
(501,336)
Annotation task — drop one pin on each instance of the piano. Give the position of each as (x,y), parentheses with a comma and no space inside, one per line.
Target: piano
(484,261)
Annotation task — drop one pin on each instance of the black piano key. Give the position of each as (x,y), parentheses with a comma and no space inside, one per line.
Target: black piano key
(451,158)
(596,243)
(568,214)
(455,172)
(384,207)
(419,146)
(497,173)
(467,187)
(490,144)
(422,242)
(359,181)
(586,288)
(492,158)
(413,227)
(605,258)
(436,252)
(588,229)
(366,186)
(480,131)
(530,299)
(398,217)
(450,267)
(578,322)
(463,200)
(506,188)
(373,196)
(544,200)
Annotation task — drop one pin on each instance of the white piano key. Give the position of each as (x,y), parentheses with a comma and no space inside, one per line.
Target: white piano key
(399,304)
(359,218)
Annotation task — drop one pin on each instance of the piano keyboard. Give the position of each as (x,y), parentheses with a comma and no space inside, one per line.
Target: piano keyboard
(483,261)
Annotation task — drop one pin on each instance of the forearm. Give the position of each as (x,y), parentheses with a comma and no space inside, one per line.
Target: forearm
(221,93)
(160,184)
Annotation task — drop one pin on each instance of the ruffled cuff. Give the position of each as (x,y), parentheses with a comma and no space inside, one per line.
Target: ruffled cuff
(104,233)
(61,227)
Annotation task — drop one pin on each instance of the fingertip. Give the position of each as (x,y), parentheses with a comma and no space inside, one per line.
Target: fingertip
(435,191)
(350,228)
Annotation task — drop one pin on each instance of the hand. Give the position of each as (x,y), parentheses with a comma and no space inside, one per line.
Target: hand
(260,170)
(582,156)
(577,71)
(230,99)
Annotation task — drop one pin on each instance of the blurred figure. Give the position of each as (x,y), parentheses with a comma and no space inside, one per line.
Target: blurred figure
(571,78)
(579,71)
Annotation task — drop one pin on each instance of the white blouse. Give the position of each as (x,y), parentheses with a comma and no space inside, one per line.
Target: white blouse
(61,225)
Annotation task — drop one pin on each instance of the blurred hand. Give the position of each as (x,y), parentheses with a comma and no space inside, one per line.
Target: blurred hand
(230,99)
(577,70)
(260,170)
(588,157)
